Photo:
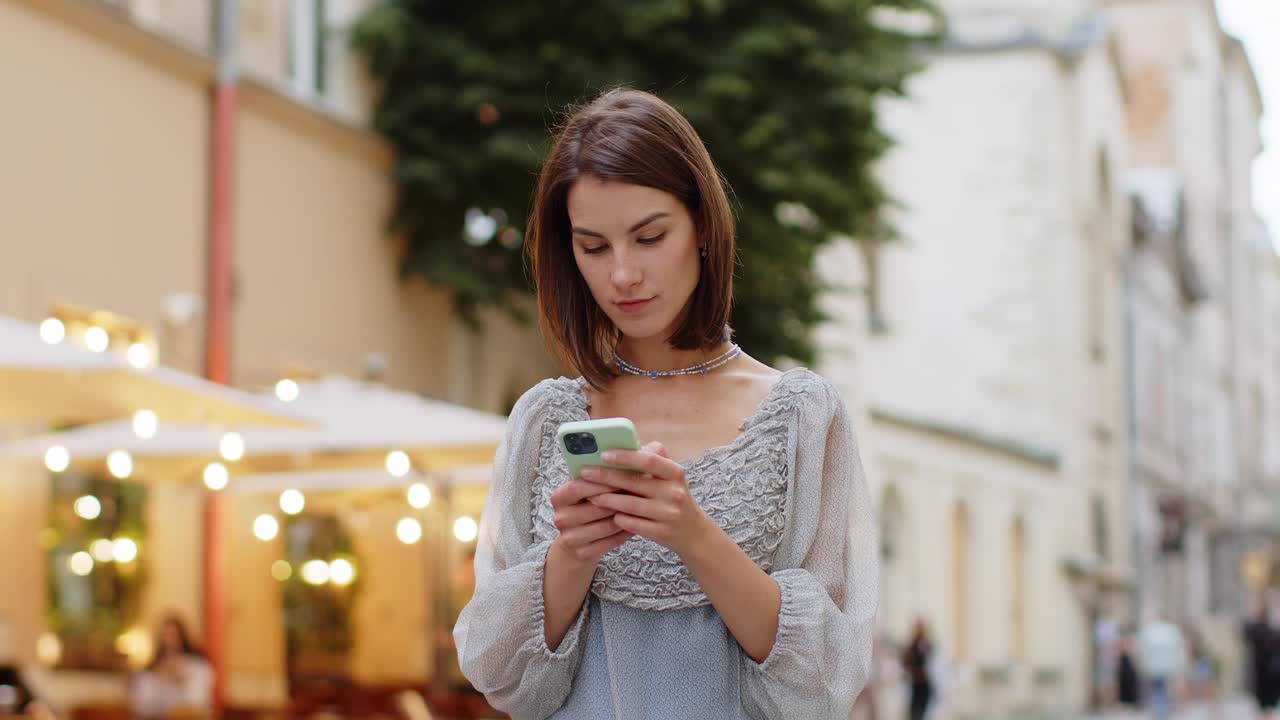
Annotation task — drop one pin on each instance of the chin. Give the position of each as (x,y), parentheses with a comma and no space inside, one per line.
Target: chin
(642,328)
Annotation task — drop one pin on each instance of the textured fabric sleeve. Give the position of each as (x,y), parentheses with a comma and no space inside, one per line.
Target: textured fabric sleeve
(197,688)
(500,634)
(145,699)
(821,655)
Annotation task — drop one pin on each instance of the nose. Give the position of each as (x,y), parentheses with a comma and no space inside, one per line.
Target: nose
(625,273)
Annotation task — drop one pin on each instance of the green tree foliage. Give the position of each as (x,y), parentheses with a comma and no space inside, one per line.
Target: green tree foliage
(783,93)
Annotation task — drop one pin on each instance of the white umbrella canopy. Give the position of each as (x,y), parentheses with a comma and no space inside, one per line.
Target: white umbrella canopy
(357,479)
(354,425)
(60,382)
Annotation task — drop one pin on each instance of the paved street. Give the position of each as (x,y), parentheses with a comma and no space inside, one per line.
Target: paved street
(1236,708)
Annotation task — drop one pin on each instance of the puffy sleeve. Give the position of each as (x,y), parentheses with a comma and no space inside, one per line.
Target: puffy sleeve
(197,691)
(500,634)
(828,573)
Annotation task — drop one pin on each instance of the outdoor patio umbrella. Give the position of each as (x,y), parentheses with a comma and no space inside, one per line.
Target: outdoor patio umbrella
(61,382)
(354,425)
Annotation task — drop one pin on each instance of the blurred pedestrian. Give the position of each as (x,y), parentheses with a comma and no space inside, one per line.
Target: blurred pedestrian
(916,663)
(1201,671)
(179,679)
(1106,639)
(17,696)
(1163,653)
(1262,641)
(1128,684)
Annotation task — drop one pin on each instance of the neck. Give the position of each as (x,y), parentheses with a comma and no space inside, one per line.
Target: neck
(656,354)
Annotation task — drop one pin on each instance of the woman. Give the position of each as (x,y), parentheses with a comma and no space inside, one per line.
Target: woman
(179,679)
(731,572)
(1262,639)
(915,661)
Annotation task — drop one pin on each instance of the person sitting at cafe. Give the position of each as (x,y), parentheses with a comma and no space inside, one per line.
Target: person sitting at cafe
(179,680)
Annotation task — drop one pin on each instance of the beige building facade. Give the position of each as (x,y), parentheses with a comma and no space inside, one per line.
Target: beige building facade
(993,378)
(1204,360)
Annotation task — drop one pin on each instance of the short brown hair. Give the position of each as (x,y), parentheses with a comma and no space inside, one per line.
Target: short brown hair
(634,137)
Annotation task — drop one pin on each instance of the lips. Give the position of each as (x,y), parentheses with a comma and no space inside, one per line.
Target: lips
(631,306)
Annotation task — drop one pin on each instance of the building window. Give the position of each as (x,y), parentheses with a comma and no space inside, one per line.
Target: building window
(893,562)
(97,571)
(960,580)
(1098,248)
(308,41)
(319,594)
(1018,589)
(1101,535)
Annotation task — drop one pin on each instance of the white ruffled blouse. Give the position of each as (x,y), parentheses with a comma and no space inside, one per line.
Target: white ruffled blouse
(647,643)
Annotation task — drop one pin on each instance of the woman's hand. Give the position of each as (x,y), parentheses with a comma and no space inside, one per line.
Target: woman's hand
(587,531)
(658,506)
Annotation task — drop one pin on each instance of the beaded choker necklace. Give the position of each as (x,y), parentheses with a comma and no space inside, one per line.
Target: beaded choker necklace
(699,369)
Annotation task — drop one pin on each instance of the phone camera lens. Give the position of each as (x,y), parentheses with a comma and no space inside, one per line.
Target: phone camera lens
(588,443)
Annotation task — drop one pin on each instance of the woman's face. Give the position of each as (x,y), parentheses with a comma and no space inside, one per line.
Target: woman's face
(637,249)
(171,638)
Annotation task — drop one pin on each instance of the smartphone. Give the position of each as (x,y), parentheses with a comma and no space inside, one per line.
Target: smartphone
(582,442)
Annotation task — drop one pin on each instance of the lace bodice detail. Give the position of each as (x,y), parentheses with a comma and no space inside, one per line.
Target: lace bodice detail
(741,485)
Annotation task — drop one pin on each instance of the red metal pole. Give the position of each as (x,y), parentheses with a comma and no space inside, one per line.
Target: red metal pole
(218,345)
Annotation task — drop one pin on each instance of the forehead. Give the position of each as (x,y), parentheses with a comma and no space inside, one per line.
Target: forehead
(605,204)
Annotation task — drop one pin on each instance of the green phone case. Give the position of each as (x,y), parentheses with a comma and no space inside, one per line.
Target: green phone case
(610,434)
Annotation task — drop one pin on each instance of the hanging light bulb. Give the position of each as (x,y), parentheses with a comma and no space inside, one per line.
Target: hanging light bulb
(465,529)
(120,464)
(398,463)
(124,550)
(215,476)
(281,570)
(53,331)
(88,507)
(231,446)
(81,563)
(342,572)
(419,495)
(97,339)
(315,572)
(409,531)
(57,458)
(139,355)
(292,501)
(287,390)
(103,550)
(145,423)
(265,527)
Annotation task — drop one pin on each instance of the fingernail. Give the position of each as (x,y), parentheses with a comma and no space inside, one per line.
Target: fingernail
(609,457)
(588,473)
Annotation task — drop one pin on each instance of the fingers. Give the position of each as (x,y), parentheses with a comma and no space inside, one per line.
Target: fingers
(642,526)
(629,504)
(580,514)
(583,535)
(614,480)
(645,462)
(596,550)
(575,491)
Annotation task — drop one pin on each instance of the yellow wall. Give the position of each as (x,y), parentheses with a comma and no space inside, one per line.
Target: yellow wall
(316,273)
(24,502)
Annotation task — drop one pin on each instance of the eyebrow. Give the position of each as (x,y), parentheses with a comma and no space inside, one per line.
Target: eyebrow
(650,218)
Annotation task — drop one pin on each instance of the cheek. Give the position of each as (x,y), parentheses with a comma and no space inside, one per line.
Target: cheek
(592,275)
